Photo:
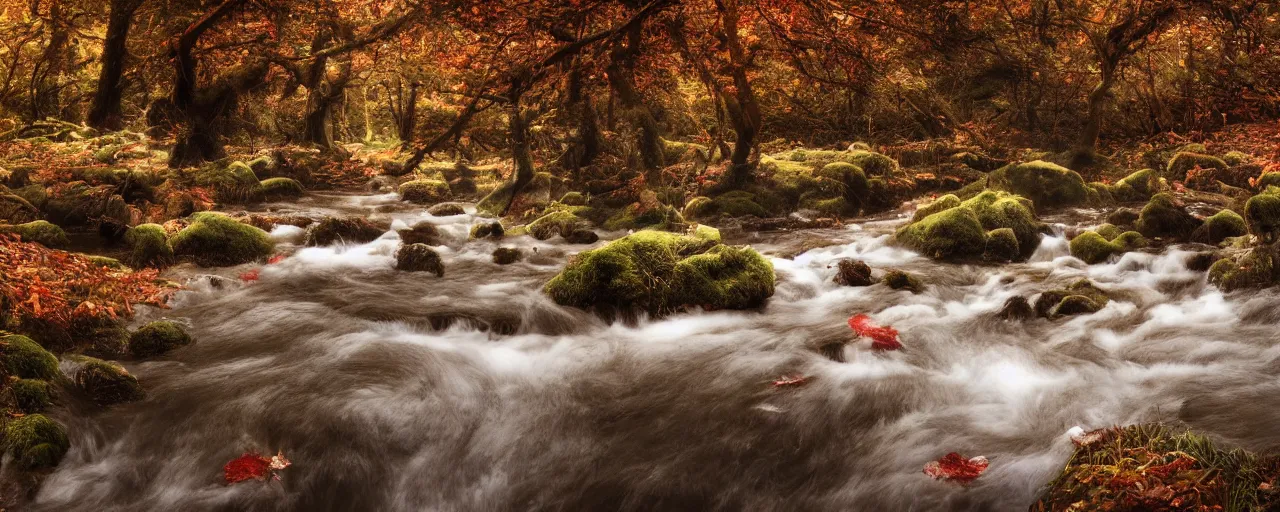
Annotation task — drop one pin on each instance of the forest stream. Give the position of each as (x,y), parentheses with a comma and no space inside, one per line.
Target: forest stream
(404,391)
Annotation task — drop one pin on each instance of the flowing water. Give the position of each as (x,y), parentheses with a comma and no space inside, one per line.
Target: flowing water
(474,392)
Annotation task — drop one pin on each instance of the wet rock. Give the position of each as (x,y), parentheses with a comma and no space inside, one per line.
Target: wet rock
(157,338)
(423,232)
(1221,226)
(978,161)
(1165,217)
(351,230)
(380,184)
(105,382)
(40,232)
(951,229)
(563,223)
(419,258)
(1262,214)
(26,359)
(852,272)
(1123,217)
(31,395)
(1002,245)
(1255,268)
(272,188)
(487,230)
(507,255)
(636,217)
(582,237)
(1094,247)
(215,240)
(1046,184)
(1082,297)
(1139,186)
(1017,308)
(148,247)
(1186,160)
(1201,261)
(900,280)
(446,210)
(425,191)
(35,441)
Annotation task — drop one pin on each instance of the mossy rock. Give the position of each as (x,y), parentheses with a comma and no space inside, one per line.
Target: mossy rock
(106,262)
(446,210)
(850,272)
(148,246)
(872,164)
(635,217)
(1165,217)
(739,203)
(1262,214)
(1186,160)
(1046,184)
(900,280)
(1082,297)
(31,395)
(26,359)
(350,230)
(960,232)
(215,240)
(1235,158)
(663,272)
(573,199)
(702,208)
(1002,245)
(228,181)
(423,232)
(157,338)
(561,223)
(280,187)
(674,151)
(419,258)
(425,191)
(1138,186)
(487,230)
(40,232)
(507,255)
(35,441)
(940,204)
(1220,226)
(105,382)
(854,186)
(705,232)
(1097,246)
(1253,269)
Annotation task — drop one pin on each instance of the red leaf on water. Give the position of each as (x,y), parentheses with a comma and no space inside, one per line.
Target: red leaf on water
(882,338)
(249,466)
(250,276)
(276,259)
(956,468)
(787,381)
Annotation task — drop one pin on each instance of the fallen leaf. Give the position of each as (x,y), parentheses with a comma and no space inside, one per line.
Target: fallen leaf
(956,468)
(882,338)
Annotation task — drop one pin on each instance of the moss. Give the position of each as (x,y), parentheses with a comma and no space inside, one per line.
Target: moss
(899,280)
(1164,217)
(573,199)
(1185,161)
(1100,194)
(1220,226)
(739,203)
(1096,247)
(1268,180)
(351,230)
(1254,269)
(1109,231)
(705,232)
(106,262)
(941,204)
(1235,158)
(1002,245)
(27,359)
(106,382)
(148,246)
(1082,297)
(852,180)
(1046,184)
(674,151)
(828,207)
(1262,214)
(228,181)
(40,232)
(214,240)
(31,395)
(157,338)
(951,234)
(425,191)
(423,232)
(873,164)
(496,202)
(663,272)
(487,230)
(419,258)
(16,210)
(560,223)
(702,208)
(446,210)
(280,187)
(997,210)
(1138,186)
(507,255)
(35,441)
(635,217)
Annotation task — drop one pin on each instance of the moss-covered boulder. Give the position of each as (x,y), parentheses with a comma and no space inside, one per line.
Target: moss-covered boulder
(1081,298)
(940,204)
(423,232)
(663,272)
(851,184)
(488,230)
(446,210)
(1002,245)
(215,240)
(951,234)
(158,337)
(1138,186)
(1186,160)
(1166,217)
(26,359)
(31,395)
(900,280)
(871,163)
(1235,158)
(637,217)
(701,208)
(1255,268)
(272,188)
(105,382)
(850,272)
(573,199)
(1097,246)
(350,230)
(1262,214)
(562,222)
(425,191)
(228,181)
(35,441)
(1046,184)
(40,232)
(148,246)
(419,258)
(961,231)
(1220,226)
(507,255)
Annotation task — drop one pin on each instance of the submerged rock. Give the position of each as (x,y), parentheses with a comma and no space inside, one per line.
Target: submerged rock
(419,258)
(351,230)
(663,272)
(507,255)
(1082,297)
(1017,308)
(156,338)
(852,272)
(1255,268)
(35,441)
(900,280)
(215,240)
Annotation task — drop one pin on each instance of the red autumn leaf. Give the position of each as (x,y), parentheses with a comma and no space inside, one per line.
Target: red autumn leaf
(788,381)
(882,338)
(250,276)
(249,466)
(956,468)
(276,259)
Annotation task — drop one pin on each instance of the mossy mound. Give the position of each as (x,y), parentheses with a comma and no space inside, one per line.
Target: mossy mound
(871,163)
(31,395)
(488,230)
(1235,158)
(446,210)
(40,232)
(1186,160)
(1081,298)
(419,258)
(148,246)
(26,359)
(233,181)
(507,255)
(1220,226)
(636,217)
(1165,217)
(423,232)
(1262,214)
(78,204)
(157,338)
(1253,269)
(280,188)
(701,208)
(663,272)
(940,204)
(1138,186)
(106,382)
(35,441)
(1046,184)
(563,223)
(900,280)
(961,231)
(851,272)
(425,191)
(215,240)
(350,230)
(1097,246)
(1002,245)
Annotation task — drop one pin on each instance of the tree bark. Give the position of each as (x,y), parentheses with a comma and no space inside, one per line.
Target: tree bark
(621,71)
(743,110)
(104,113)
(408,115)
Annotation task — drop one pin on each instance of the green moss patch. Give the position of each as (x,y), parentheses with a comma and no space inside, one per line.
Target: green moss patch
(1186,160)
(40,232)
(106,382)
(1097,246)
(425,191)
(959,230)
(1046,184)
(1081,298)
(214,240)
(157,338)
(1165,217)
(35,441)
(148,246)
(26,359)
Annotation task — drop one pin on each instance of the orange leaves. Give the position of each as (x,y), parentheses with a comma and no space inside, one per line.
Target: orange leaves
(956,468)
(882,338)
(252,466)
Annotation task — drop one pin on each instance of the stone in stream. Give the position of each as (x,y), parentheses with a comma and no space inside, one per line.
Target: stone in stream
(157,338)
(899,280)
(488,230)
(105,382)
(23,357)
(1221,226)
(215,240)
(352,230)
(421,233)
(1165,217)
(446,210)
(507,255)
(425,191)
(1082,297)
(148,247)
(991,225)
(582,237)
(35,441)
(1017,308)
(419,258)
(852,272)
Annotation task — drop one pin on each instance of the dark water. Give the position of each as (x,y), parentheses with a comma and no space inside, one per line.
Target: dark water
(396,391)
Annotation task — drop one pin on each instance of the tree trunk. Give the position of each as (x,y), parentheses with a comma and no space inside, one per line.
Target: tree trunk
(409,115)
(744,111)
(104,113)
(621,71)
